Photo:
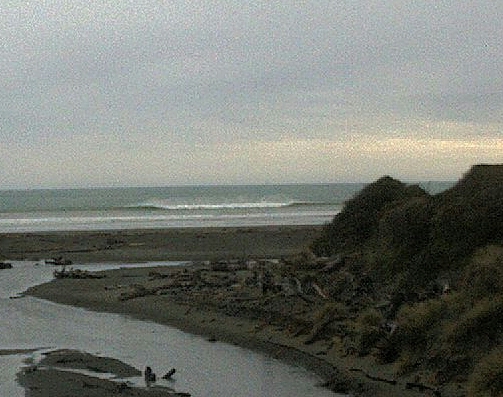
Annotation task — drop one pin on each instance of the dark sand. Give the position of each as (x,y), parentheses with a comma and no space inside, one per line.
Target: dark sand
(221,318)
(55,376)
(159,244)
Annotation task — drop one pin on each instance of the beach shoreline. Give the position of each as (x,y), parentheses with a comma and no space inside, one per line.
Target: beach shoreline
(337,372)
(147,245)
(190,315)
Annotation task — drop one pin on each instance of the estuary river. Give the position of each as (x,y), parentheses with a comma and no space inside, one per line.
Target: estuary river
(204,369)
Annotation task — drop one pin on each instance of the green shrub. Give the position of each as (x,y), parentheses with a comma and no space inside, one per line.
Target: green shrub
(371,318)
(329,312)
(416,321)
(487,378)
(384,264)
(368,331)
(406,227)
(359,219)
(468,216)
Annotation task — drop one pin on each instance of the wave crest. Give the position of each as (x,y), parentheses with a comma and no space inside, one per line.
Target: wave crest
(221,206)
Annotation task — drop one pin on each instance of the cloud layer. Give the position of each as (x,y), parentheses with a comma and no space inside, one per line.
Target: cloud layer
(147,93)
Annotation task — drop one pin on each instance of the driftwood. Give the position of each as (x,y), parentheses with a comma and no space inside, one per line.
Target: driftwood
(374,377)
(78,274)
(319,291)
(137,292)
(58,261)
(169,374)
(157,275)
(421,387)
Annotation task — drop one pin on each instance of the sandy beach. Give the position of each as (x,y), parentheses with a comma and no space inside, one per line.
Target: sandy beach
(159,244)
(213,299)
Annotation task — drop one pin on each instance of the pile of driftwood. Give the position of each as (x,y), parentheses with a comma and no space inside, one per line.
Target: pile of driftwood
(5,265)
(75,273)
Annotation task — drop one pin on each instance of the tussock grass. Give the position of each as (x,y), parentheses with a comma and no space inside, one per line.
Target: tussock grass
(359,219)
(368,331)
(411,245)
(327,314)
(487,378)
(484,276)
(478,327)
(418,329)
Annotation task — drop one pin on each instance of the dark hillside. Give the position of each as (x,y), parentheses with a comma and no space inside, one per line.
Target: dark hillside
(405,223)
(469,215)
(430,268)
(359,219)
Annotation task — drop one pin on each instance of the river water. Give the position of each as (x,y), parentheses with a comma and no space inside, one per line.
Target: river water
(204,369)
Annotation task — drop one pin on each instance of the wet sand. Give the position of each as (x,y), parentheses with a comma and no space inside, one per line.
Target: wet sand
(230,315)
(159,244)
(56,375)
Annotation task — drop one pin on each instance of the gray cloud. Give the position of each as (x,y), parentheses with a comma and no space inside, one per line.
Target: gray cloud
(202,73)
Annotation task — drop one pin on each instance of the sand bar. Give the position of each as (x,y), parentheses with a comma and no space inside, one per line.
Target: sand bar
(56,376)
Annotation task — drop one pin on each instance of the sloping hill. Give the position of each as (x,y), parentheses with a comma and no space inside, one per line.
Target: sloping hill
(434,265)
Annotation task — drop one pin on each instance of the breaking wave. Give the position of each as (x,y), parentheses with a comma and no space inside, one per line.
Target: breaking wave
(160,205)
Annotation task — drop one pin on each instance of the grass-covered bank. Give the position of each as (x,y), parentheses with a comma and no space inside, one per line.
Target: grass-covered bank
(427,273)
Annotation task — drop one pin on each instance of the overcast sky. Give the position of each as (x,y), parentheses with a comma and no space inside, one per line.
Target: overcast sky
(112,93)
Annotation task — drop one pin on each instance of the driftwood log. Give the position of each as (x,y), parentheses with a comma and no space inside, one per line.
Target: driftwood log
(5,265)
(58,261)
(78,274)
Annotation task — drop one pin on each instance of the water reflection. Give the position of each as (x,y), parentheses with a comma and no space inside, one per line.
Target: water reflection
(202,368)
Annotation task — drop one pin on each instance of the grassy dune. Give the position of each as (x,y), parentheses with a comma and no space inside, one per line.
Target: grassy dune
(432,267)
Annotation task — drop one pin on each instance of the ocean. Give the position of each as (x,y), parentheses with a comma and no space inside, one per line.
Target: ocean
(173,207)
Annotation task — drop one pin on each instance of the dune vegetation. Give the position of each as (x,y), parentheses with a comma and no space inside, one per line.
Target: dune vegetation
(429,271)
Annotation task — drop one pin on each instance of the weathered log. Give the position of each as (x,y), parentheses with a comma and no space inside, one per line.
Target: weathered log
(374,377)
(58,261)
(422,387)
(5,265)
(320,292)
(77,274)
(169,374)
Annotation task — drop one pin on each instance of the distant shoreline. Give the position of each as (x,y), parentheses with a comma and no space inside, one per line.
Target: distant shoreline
(173,244)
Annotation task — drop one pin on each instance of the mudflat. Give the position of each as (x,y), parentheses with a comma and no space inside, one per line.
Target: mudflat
(55,376)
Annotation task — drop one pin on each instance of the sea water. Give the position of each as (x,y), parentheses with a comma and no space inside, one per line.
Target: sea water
(181,206)
(204,369)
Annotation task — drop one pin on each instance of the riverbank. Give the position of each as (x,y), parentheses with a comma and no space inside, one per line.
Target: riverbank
(223,302)
(224,299)
(184,244)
